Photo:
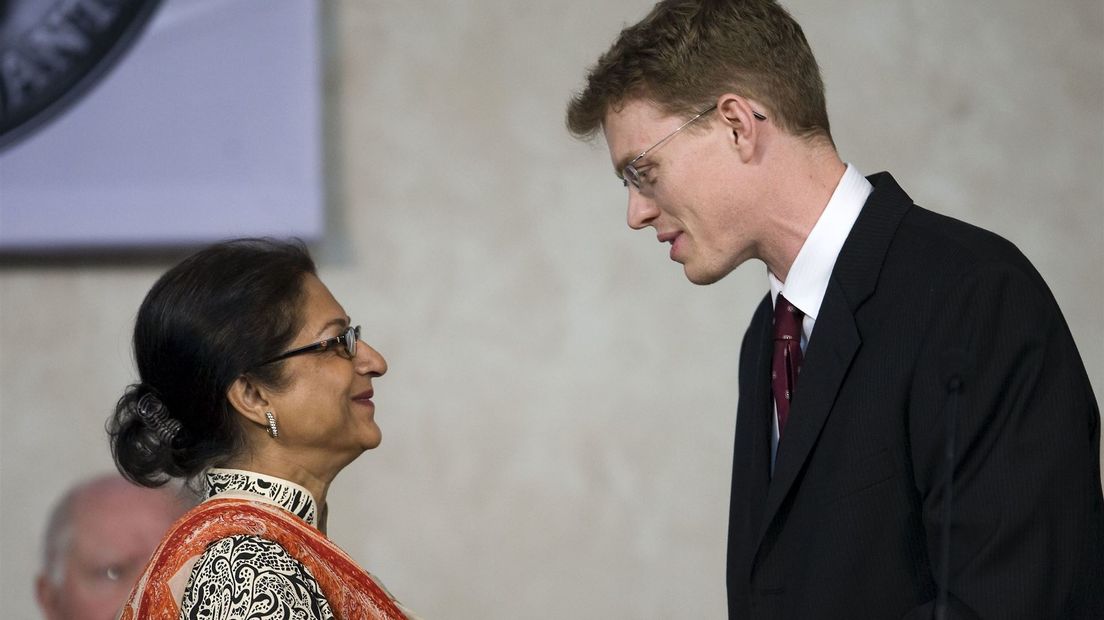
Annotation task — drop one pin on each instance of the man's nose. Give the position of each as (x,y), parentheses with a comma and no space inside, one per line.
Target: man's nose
(642,210)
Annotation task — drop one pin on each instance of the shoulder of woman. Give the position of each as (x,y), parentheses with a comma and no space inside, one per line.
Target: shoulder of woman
(239,576)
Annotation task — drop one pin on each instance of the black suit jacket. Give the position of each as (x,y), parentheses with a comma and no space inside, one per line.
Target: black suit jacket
(849,526)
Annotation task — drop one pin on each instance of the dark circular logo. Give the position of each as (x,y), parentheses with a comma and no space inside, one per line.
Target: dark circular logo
(53,51)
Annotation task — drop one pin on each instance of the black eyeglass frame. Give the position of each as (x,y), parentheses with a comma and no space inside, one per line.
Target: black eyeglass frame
(348,339)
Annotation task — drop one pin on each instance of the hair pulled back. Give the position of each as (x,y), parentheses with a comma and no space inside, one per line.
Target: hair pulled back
(205,322)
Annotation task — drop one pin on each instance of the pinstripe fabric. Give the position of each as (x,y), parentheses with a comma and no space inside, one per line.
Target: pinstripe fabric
(849,525)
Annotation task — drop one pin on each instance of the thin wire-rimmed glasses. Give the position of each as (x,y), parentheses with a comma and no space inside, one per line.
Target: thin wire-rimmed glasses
(347,339)
(631,176)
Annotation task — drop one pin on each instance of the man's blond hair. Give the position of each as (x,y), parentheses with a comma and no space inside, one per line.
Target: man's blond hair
(686,53)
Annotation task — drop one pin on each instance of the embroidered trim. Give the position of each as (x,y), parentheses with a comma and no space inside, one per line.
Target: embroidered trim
(293,499)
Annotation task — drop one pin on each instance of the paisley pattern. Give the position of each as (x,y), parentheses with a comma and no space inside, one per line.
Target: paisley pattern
(248,576)
(254,578)
(287,495)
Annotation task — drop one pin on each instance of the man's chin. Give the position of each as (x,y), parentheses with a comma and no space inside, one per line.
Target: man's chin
(702,277)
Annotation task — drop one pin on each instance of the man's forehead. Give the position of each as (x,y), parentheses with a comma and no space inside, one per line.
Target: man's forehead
(638,114)
(103,504)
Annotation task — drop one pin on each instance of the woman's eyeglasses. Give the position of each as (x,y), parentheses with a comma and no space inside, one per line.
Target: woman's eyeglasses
(347,339)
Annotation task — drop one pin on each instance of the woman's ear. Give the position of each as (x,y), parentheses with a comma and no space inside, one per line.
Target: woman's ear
(249,400)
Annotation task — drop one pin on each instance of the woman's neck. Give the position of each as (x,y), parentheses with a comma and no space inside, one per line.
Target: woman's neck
(316,480)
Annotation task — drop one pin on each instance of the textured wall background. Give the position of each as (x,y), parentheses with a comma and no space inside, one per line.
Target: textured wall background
(560,405)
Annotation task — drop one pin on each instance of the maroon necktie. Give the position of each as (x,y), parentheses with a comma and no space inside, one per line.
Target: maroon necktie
(787,356)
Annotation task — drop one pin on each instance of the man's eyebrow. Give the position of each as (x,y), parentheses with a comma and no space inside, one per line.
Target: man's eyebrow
(339,322)
(621,163)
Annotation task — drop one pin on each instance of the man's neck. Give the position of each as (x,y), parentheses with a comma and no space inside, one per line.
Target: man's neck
(806,176)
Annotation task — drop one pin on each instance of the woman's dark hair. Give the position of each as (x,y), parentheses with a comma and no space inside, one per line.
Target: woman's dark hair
(207,321)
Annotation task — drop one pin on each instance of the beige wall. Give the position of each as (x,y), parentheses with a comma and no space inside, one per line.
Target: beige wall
(560,406)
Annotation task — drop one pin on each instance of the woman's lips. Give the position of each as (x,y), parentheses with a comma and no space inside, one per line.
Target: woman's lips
(365,397)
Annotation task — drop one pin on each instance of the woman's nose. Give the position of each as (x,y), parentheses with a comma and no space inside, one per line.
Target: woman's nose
(369,361)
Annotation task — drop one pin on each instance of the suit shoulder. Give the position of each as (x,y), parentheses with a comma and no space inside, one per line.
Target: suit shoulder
(949,247)
(954,264)
(967,241)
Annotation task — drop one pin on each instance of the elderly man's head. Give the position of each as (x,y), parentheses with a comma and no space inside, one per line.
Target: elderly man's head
(99,537)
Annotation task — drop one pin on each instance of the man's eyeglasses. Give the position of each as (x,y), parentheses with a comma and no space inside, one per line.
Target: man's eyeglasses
(630,175)
(348,339)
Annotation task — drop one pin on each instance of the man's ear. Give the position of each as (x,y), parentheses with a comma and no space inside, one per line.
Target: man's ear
(45,593)
(249,400)
(743,121)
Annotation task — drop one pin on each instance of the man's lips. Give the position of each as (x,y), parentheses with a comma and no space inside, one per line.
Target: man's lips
(365,397)
(672,238)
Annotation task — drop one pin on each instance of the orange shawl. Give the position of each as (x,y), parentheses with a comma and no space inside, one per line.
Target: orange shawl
(350,590)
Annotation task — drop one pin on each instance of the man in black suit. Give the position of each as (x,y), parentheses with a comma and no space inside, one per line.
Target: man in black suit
(916,432)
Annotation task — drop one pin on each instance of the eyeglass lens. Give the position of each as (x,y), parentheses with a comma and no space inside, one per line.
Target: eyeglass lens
(352,335)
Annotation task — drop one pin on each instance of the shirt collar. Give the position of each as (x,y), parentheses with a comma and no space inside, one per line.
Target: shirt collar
(260,487)
(808,277)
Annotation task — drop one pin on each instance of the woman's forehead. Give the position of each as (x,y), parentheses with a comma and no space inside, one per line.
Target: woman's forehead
(320,308)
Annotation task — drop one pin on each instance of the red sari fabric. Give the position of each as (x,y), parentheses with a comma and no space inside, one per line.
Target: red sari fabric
(350,590)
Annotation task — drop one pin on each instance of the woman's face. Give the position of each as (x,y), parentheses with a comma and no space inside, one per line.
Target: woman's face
(326,412)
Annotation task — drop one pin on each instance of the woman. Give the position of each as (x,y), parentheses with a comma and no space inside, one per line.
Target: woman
(253,378)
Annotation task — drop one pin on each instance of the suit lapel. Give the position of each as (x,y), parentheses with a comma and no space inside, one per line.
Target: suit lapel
(836,337)
(762,416)
(751,450)
(827,359)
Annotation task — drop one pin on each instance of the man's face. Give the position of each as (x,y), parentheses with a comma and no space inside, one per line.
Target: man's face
(696,193)
(114,532)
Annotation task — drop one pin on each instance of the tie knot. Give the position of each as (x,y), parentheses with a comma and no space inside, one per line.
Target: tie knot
(787,320)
